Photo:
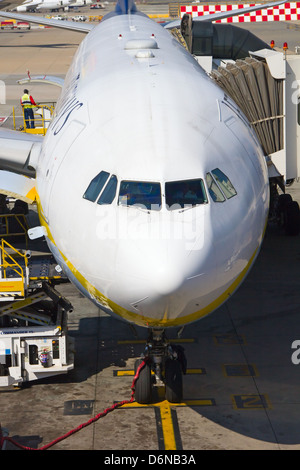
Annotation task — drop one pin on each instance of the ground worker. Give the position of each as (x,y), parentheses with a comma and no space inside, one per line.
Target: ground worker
(28,104)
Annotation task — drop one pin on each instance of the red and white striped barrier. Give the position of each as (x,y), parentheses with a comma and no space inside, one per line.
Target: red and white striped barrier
(285,12)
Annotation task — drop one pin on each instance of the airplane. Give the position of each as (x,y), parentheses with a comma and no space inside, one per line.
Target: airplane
(81,3)
(28,5)
(52,5)
(151,186)
(65,4)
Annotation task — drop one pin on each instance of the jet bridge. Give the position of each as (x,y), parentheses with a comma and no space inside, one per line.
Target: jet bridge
(265,86)
(263,83)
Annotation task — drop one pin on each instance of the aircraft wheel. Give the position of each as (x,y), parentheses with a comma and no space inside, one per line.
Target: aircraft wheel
(173,376)
(143,385)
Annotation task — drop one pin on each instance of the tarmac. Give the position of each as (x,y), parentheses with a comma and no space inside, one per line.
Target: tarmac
(241,390)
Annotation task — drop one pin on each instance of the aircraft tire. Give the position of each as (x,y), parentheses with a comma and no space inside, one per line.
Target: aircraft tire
(173,376)
(143,385)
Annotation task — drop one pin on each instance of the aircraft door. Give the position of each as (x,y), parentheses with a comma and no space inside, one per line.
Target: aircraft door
(66,141)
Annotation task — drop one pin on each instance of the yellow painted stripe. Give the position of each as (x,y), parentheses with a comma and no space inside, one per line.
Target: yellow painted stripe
(142,341)
(41,278)
(196,402)
(127,373)
(166,422)
(167,426)
(139,319)
(194,371)
(203,402)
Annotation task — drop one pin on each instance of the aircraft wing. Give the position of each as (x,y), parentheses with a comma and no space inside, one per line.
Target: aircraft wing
(18,158)
(70,25)
(227,14)
(49,79)
(19,152)
(17,186)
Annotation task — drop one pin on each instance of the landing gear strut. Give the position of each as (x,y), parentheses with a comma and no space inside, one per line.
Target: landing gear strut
(167,362)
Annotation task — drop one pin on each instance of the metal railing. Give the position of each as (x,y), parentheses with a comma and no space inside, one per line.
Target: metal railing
(43,115)
(13,225)
(11,270)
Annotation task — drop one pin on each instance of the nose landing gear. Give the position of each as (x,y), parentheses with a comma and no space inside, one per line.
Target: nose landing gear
(165,364)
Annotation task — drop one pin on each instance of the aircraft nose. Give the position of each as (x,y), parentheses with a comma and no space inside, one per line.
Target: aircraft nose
(166,279)
(154,275)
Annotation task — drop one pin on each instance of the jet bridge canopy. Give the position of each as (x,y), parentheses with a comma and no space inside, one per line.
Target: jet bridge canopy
(259,95)
(265,87)
(222,41)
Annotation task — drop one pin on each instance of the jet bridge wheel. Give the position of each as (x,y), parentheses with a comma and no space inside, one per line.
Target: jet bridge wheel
(143,385)
(288,214)
(292,223)
(173,379)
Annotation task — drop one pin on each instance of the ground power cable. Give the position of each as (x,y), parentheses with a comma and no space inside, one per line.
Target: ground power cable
(81,426)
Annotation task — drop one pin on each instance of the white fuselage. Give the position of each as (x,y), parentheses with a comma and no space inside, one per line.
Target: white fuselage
(42,5)
(135,104)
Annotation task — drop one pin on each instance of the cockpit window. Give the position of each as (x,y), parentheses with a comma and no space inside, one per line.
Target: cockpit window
(95,186)
(143,194)
(109,192)
(214,190)
(224,183)
(187,193)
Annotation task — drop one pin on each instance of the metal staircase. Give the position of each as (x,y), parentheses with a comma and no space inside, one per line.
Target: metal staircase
(23,282)
(14,277)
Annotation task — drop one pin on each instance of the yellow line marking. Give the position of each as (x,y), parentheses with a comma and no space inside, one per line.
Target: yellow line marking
(195,371)
(200,402)
(167,426)
(41,278)
(142,341)
(251,402)
(127,373)
(166,416)
(240,370)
